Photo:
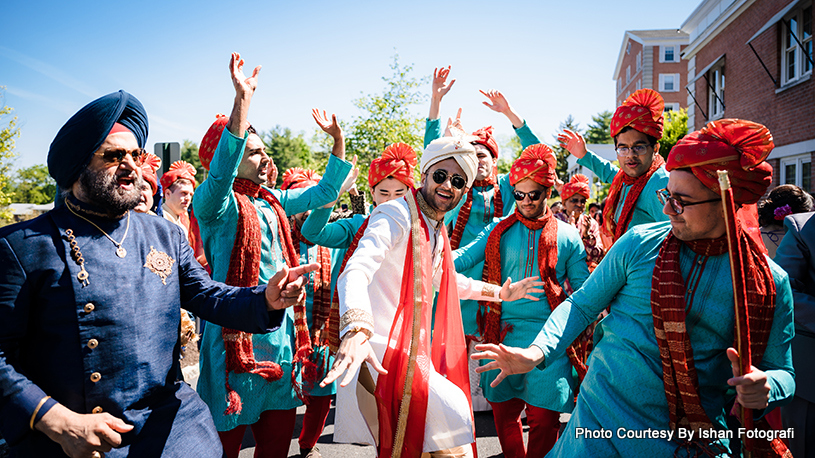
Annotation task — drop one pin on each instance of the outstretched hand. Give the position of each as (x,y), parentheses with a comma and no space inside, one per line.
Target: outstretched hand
(329,126)
(440,86)
(510,360)
(354,350)
(454,127)
(573,142)
(243,86)
(499,102)
(285,288)
(520,289)
(752,388)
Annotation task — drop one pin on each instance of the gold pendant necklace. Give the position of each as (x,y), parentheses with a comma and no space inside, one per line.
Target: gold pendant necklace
(120,250)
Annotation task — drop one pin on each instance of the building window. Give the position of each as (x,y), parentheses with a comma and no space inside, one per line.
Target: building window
(668,82)
(639,84)
(668,54)
(639,61)
(619,85)
(628,48)
(671,107)
(796,60)
(715,89)
(627,74)
(798,171)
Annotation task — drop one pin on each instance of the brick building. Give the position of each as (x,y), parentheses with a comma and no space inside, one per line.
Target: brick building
(651,59)
(762,49)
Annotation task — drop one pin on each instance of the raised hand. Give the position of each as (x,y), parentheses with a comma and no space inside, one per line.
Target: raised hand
(354,350)
(454,127)
(499,103)
(440,86)
(243,86)
(520,289)
(329,126)
(752,388)
(510,360)
(80,435)
(573,142)
(285,288)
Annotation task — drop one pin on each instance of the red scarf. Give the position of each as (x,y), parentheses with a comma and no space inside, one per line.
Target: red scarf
(402,393)
(464,211)
(490,322)
(321,302)
(669,309)
(616,229)
(244,270)
(334,314)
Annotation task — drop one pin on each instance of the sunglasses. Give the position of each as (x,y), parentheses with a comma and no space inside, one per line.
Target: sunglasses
(116,156)
(534,196)
(458,181)
(677,205)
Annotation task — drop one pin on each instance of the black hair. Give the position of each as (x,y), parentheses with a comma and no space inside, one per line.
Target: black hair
(798,200)
(651,140)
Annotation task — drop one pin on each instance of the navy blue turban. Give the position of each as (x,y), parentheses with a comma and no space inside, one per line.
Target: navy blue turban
(84,133)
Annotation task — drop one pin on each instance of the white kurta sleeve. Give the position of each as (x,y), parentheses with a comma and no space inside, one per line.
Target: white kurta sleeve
(386,229)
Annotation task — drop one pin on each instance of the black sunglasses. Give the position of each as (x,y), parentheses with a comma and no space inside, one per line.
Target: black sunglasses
(117,155)
(458,181)
(534,196)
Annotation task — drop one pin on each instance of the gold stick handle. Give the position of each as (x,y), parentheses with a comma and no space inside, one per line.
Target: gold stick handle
(724,180)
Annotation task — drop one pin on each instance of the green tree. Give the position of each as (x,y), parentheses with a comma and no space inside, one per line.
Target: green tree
(676,127)
(8,134)
(513,145)
(34,185)
(598,130)
(189,153)
(288,150)
(386,118)
(562,154)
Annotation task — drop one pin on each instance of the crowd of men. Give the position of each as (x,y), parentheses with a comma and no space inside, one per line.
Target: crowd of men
(658,321)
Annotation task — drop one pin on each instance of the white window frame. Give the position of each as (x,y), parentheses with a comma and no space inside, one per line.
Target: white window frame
(793,58)
(628,48)
(798,161)
(664,48)
(639,61)
(639,84)
(619,85)
(627,74)
(671,107)
(716,80)
(663,78)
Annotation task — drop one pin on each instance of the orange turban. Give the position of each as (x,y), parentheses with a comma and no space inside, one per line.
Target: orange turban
(398,161)
(211,139)
(735,145)
(536,162)
(486,138)
(642,110)
(296,178)
(150,163)
(579,184)
(178,170)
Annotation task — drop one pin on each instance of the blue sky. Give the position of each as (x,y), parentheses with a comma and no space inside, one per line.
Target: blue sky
(550,58)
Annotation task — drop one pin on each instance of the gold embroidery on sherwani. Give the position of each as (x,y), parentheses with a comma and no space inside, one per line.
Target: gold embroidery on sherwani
(160,263)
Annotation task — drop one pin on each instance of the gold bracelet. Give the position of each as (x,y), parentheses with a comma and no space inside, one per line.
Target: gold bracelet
(368,334)
(34,415)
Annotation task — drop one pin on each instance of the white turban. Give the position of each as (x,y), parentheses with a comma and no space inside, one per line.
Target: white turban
(456,148)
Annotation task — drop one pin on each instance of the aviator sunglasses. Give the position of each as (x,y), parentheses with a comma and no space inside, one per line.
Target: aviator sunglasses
(458,181)
(116,156)
(534,196)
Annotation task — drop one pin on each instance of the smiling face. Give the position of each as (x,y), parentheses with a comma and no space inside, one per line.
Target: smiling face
(442,197)
(697,222)
(633,165)
(146,200)
(388,189)
(108,183)
(531,209)
(485,161)
(254,165)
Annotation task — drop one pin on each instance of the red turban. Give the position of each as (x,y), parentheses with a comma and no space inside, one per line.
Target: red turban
(735,145)
(178,170)
(398,161)
(150,163)
(486,138)
(211,139)
(579,184)
(642,110)
(536,162)
(296,178)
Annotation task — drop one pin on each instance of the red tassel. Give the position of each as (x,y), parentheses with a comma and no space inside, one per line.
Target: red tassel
(270,373)
(233,400)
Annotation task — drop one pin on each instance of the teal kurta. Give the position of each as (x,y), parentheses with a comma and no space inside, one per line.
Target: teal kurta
(624,388)
(552,388)
(216,208)
(482,213)
(647,209)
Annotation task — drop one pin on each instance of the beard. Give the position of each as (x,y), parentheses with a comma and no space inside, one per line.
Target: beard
(103,191)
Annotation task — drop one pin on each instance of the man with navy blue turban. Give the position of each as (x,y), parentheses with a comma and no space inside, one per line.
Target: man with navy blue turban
(89,307)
